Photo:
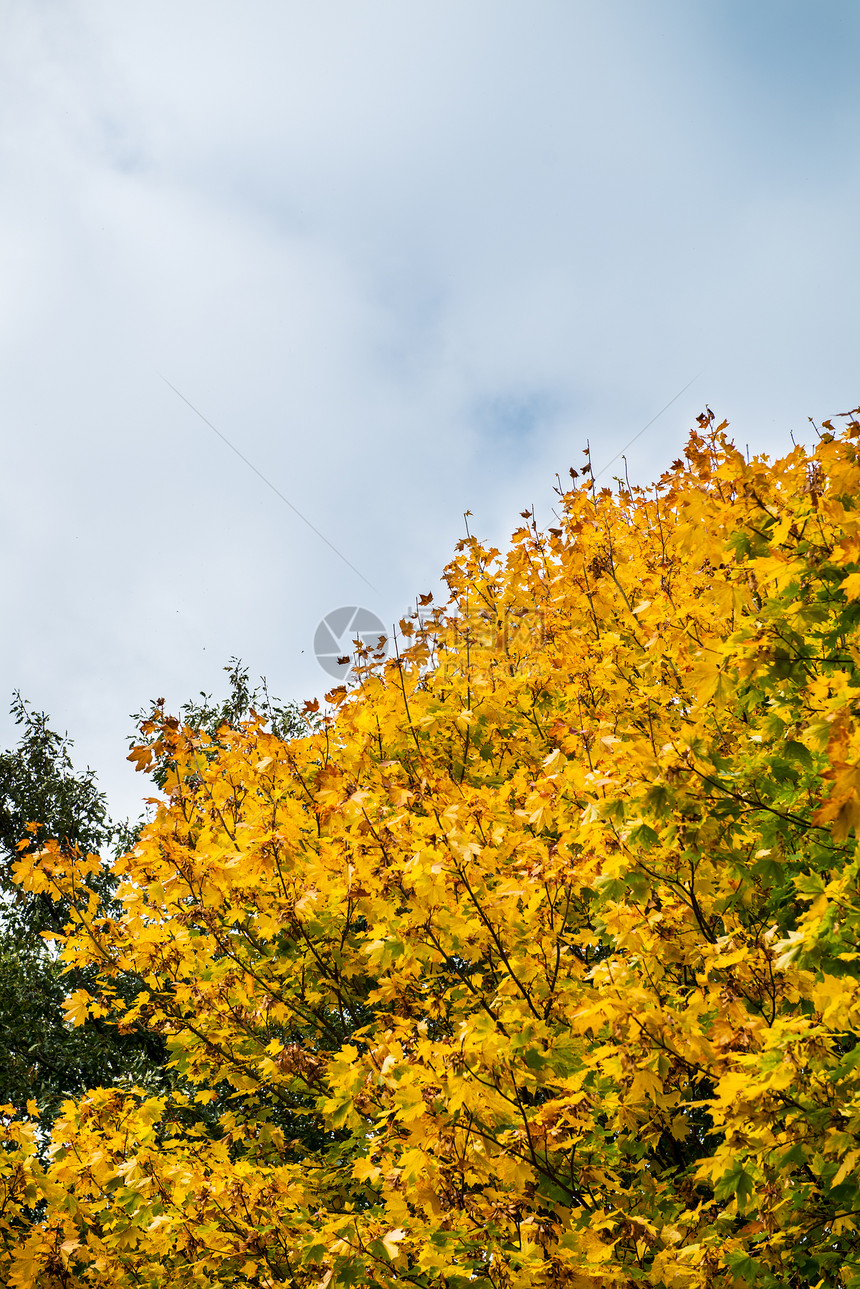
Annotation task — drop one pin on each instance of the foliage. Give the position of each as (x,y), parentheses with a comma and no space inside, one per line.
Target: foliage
(42,796)
(550,930)
(208,715)
(44,1059)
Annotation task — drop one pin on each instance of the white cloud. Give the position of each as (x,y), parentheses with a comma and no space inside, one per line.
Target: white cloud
(407,258)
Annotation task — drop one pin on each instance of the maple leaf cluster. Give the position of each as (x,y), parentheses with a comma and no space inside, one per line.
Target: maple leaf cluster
(534,963)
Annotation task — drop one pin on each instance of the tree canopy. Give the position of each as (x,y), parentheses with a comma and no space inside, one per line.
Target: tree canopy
(43,796)
(547,932)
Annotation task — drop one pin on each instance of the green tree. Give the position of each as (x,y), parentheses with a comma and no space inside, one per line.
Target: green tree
(42,1058)
(42,796)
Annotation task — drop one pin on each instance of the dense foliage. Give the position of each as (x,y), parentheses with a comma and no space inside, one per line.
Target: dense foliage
(42,796)
(547,936)
(42,1059)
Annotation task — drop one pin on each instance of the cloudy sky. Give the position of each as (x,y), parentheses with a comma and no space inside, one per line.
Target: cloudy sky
(407,258)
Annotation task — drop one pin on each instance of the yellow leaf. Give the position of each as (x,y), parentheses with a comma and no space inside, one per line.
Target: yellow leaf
(363,1170)
(77,1007)
(847,1166)
(391,1241)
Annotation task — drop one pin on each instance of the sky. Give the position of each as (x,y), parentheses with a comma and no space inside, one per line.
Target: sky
(407,259)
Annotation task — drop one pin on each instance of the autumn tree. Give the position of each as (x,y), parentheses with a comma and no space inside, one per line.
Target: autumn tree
(43,795)
(549,928)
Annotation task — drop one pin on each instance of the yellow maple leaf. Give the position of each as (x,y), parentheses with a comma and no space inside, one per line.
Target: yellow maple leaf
(77,1007)
(392,1240)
